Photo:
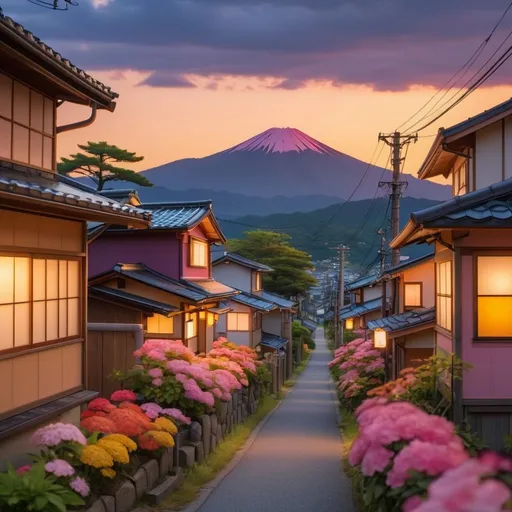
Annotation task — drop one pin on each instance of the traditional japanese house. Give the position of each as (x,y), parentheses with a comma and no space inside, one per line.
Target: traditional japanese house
(43,252)
(472,236)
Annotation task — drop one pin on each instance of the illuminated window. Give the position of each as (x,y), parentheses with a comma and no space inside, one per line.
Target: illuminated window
(257,281)
(39,300)
(444,295)
(159,324)
(460,180)
(494,296)
(26,124)
(190,325)
(198,253)
(412,295)
(238,321)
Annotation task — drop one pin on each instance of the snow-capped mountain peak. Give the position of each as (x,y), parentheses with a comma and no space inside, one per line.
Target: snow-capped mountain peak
(283,140)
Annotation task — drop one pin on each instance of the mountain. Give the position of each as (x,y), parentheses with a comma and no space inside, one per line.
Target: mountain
(319,231)
(285,162)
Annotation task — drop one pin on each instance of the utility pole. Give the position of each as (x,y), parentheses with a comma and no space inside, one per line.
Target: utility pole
(340,296)
(396,141)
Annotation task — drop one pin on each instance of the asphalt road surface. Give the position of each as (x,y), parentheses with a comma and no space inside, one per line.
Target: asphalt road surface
(294,465)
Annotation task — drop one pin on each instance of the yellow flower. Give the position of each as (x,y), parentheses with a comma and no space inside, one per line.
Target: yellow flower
(156,426)
(118,452)
(95,456)
(167,425)
(108,472)
(130,444)
(162,438)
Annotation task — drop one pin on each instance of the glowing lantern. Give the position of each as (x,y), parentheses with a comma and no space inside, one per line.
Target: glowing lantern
(349,324)
(379,338)
(211,319)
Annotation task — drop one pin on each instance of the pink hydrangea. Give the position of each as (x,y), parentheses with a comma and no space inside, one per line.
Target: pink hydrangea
(123,395)
(156,373)
(56,433)
(59,467)
(157,382)
(375,460)
(176,414)
(151,409)
(194,392)
(80,486)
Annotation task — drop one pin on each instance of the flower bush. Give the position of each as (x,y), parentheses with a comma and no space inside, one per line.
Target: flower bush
(358,368)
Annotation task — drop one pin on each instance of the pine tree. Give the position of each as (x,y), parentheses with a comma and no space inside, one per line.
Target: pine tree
(98,164)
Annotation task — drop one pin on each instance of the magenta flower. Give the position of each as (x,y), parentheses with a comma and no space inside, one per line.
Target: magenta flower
(56,433)
(155,373)
(176,414)
(23,469)
(123,395)
(375,460)
(157,382)
(59,467)
(80,486)
(151,409)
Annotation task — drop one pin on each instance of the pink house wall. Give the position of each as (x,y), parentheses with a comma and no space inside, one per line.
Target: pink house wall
(189,272)
(491,376)
(424,274)
(160,251)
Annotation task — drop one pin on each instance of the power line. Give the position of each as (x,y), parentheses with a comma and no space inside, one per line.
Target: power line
(463,69)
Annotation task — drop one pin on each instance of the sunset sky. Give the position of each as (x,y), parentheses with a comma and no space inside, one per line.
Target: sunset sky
(198,76)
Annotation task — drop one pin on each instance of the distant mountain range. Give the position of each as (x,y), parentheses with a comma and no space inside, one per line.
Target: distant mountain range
(284,162)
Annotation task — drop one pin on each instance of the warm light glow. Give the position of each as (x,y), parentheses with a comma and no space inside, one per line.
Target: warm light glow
(211,319)
(190,329)
(412,295)
(202,315)
(198,253)
(159,324)
(379,338)
(238,321)
(494,318)
(495,275)
(349,324)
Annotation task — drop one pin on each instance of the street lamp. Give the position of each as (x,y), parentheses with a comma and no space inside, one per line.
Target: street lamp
(349,324)
(380,338)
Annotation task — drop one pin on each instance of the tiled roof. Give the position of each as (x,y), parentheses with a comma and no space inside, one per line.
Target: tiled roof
(178,215)
(253,301)
(360,282)
(360,309)
(66,191)
(409,264)
(122,194)
(272,341)
(136,301)
(308,324)
(486,207)
(246,262)
(277,299)
(15,30)
(212,287)
(146,275)
(222,307)
(402,321)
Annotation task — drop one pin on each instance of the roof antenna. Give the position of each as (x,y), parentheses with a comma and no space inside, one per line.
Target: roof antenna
(56,5)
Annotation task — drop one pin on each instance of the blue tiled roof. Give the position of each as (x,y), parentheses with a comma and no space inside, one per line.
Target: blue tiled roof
(254,301)
(360,309)
(178,215)
(277,299)
(409,264)
(308,324)
(132,300)
(402,321)
(360,282)
(222,307)
(241,260)
(272,341)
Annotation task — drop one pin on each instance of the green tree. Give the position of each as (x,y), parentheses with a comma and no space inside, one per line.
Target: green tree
(290,276)
(99,164)
(301,334)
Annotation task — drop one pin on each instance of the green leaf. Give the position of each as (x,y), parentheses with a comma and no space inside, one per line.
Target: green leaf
(57,501)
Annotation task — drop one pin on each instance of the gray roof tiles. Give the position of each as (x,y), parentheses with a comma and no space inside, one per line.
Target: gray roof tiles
(254,301)
(178,215)
(282,302)
(360,282)
(403,321)
(358,310)
(272,341)
(241,260)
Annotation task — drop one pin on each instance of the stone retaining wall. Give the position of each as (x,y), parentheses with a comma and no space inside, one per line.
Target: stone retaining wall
(156,479)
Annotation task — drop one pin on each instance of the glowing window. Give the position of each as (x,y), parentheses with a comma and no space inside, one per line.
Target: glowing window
(198,253)
(444,295)
(159,324)
(238,321)
(412,295)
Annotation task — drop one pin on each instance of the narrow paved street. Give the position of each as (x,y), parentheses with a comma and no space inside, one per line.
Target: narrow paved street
(294,465)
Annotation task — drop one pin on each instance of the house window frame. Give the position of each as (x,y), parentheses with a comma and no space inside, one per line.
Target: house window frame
(258,286)
(476,337)
(443,328)
(190,317)
(408,307)
(358,296)
(460,186)
(238,314)
(52,136)
(257,321)
(159,332)
(31,346)
(193,241)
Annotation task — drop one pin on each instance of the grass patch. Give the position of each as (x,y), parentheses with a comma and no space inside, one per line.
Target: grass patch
(349,432)
(200,474)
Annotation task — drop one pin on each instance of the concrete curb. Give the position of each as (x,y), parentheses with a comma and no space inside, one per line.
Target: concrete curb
(209,488)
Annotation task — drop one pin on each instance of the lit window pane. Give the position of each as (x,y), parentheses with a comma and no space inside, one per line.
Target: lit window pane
(6,279)
(495,275)
(412,295)
(73,317)
(52,279)
(47,153)
(442,278)
(5,96)
(63,279)
(38,322)
(21,113)
(52,320)
(243,322)
(494,318)
(20,144)
(36,111)
(48,116)
(232,322)
(63,318)
(22,278)
(448,278)
(73,279)
(38,279)
(21,325)
(5,138)
(36,149)
(7,323)
(160,324)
